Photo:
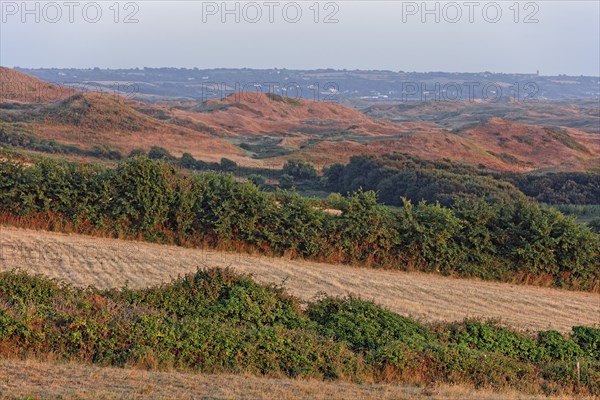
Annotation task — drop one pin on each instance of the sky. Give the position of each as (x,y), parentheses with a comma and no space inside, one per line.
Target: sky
(552,37)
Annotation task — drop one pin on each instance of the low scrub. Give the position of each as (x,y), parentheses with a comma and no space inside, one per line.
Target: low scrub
(216,321)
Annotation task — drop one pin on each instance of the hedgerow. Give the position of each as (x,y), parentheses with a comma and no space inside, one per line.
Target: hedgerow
(146,199)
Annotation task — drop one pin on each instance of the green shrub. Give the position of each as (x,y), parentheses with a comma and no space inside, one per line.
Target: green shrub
(430,234)
(562,376)
(594,225)
(299,170)
(557,347)
(216,321)
(140,191)
(298,226)
(396,358)
(364,325)
(160,153)
(588,339)
(365,230)
(212,321)
(19,288)
(455,364)
(228,165)
(222,296)
(486,336)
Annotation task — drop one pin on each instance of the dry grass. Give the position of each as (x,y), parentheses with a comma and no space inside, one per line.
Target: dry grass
(104,263)
(52,380)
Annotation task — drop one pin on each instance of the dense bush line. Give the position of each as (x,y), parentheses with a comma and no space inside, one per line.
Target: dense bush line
(217,321)
(559,187)
(142,198)
(395,176)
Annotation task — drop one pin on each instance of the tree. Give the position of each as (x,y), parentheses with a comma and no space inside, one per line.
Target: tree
(431,234)
(228,165)
(594,225)
(258,180)
(286,181)
(298,225)
(366,230)
(159,153)
(136,153)
(141,190)
(300,170)
(187,161)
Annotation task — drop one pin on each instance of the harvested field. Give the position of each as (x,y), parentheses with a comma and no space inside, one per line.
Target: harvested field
(83,260)
(33,379)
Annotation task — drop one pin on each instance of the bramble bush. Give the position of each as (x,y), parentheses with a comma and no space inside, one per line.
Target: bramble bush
(364,325)
(216,321)
(588,339)
(219,295)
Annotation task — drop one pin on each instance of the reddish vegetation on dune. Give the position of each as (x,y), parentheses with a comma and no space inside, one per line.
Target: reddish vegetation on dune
(244,114)
(22,88)
(319,132)
(533,146)
(95,119)
(496,143)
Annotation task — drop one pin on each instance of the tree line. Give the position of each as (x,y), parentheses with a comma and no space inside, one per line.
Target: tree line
(397,175)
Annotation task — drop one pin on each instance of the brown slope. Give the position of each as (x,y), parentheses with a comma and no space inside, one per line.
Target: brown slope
(96,119)
(99,119)
(18,87)
(496,143)
(582,114)
(245,114)
(434,145)
(324,133)
(535,146)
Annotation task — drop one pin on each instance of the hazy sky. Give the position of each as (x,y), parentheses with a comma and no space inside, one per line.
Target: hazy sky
(394,35)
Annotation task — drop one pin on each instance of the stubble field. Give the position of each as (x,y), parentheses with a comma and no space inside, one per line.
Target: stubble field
(82,261)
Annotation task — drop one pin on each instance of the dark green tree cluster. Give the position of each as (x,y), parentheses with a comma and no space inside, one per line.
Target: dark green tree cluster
(559,187)
(395,176)
(153,200)
(186,161)
(299,170)
(160,153)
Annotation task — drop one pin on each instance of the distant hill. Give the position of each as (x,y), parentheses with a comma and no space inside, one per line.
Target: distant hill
(16,86)
(256,113)
(325,84)
(96,119)
(535,146)
(259,129)
(557,151)
(582,114)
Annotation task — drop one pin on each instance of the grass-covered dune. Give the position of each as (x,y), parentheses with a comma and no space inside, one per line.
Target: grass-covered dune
(215,321)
